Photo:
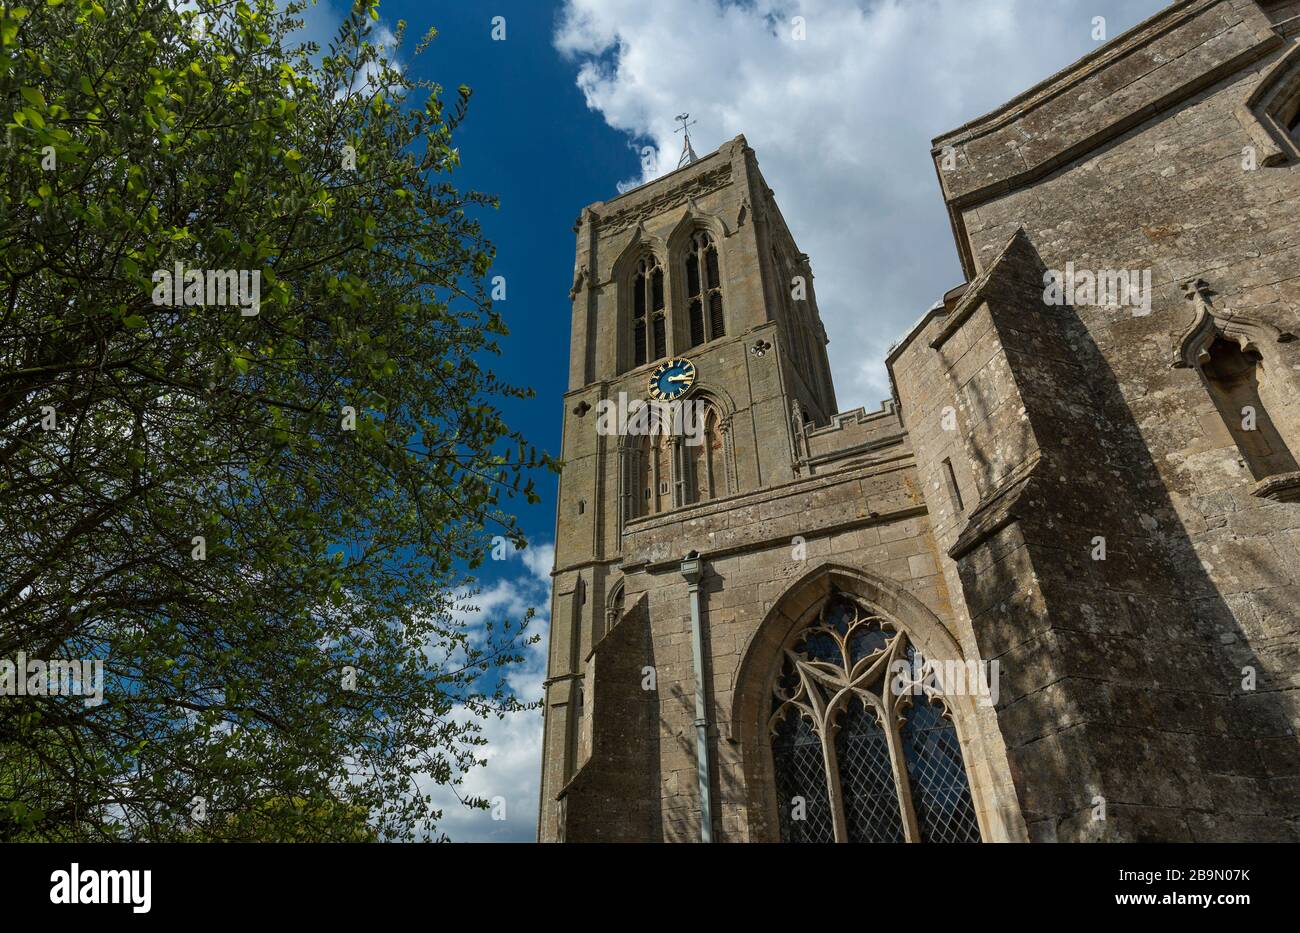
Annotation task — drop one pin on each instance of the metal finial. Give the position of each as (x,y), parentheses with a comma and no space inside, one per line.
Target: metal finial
(688,152)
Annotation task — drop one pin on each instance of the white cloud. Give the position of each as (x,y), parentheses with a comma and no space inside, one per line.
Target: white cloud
(512,773)
(514,743)
(841,122)
(539,558)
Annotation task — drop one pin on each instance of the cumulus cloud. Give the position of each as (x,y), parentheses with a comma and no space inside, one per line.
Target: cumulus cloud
(539,559)
(513,753)
(841,121)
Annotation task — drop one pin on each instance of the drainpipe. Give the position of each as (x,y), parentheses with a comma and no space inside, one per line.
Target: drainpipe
(692,570)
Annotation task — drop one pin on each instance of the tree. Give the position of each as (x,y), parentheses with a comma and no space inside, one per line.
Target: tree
(253,485)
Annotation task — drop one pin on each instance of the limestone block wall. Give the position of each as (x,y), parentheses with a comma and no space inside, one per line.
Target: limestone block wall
(1132,666)
(867,518)
(855,437)
(1110,671)
(613,796)
(757,548)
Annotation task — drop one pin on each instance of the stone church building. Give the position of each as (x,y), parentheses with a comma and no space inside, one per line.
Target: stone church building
(1088,504)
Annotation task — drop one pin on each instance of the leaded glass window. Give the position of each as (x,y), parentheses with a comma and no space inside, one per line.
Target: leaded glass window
(704,290)
(801,775)
(855,758)
(649,330)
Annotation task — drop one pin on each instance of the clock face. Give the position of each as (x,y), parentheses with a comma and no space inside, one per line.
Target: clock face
(671,379)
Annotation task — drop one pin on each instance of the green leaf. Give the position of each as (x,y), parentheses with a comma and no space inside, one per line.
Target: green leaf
(327,545)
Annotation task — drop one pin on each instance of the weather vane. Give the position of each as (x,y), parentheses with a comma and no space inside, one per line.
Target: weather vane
(688,153)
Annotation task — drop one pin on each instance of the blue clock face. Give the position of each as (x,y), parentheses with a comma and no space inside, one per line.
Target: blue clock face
(671,379)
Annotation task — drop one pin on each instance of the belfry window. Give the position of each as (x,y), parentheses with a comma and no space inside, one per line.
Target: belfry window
(704,290)
(649,328)
(855,759)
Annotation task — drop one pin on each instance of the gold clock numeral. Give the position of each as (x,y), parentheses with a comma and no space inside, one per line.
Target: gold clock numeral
(676,383)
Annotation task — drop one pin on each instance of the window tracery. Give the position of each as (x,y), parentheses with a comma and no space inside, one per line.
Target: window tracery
(855,759)
(705,469)
(704,290)
(649,326)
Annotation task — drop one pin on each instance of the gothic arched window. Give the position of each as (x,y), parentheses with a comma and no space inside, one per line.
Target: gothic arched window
(855,758)
(1271,114)
(704,290)
(649,329)
(636,477)
(614,610)
(647,476)
(661,475)
(705,464)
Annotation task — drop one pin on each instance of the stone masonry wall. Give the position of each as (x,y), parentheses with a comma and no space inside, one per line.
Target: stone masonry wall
(1135,159)
(867,517)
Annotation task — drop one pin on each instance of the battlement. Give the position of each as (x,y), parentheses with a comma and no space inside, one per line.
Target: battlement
(857,437)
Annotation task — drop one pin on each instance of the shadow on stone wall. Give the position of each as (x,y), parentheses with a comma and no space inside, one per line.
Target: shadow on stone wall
(725,785)
(1121,678)
(615,795)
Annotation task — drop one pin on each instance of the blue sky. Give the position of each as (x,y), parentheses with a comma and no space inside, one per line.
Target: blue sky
(531,140)
(839,98)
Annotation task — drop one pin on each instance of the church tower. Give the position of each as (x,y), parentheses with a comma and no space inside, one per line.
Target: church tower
(697,265)
(694,556)
(680,555)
